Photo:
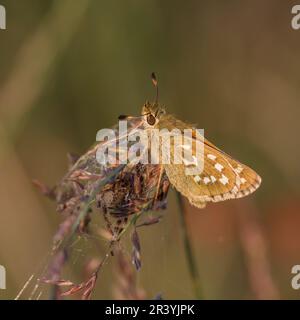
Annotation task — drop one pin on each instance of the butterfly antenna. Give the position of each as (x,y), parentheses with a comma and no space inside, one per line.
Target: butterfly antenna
(155,83)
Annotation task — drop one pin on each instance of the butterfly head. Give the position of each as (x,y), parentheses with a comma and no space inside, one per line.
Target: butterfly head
(152,113)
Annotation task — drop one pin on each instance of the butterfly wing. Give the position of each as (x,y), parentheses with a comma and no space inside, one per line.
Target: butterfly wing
(222,178)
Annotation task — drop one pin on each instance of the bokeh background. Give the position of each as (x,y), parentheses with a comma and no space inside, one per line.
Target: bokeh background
(69,68)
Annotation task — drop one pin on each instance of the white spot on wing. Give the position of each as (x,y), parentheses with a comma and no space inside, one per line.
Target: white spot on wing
(227,196)
(206,180)
(243,180)
(235,190)
(197,179)
(252,189)
(239,169)
(211,156)
(190,162)
(246,192)
(224,180)
(218,198)
(219,167)
(213,179)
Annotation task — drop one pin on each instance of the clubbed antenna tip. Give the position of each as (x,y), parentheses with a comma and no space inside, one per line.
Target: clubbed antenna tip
(155,83)
(154,79)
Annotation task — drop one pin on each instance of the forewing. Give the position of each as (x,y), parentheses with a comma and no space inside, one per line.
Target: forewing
(222,178)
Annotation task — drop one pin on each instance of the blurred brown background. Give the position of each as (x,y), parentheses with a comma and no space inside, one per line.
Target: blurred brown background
(69,68)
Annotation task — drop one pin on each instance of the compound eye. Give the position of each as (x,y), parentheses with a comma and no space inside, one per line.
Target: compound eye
(151,120)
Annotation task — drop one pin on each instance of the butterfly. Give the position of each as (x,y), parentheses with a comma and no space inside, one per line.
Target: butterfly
(222,176)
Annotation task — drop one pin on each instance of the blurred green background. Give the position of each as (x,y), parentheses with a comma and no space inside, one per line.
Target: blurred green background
(69,68)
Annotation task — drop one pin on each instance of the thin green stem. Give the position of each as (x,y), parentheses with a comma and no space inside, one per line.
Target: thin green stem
(192,265)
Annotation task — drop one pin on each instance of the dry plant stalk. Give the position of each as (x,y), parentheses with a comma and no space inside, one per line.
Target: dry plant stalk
(122,193)
(126,287)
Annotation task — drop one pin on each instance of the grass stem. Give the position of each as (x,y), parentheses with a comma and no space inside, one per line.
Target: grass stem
(191,261)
